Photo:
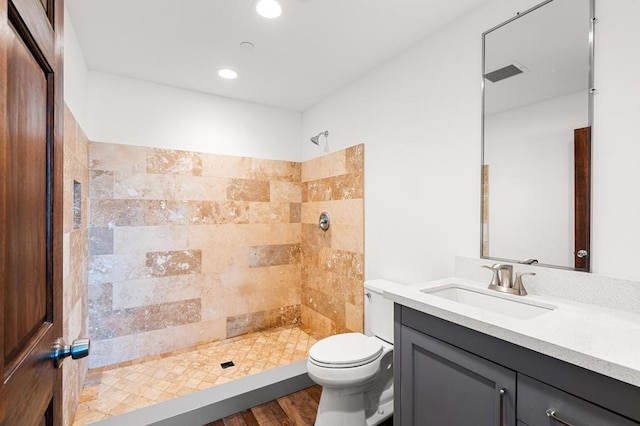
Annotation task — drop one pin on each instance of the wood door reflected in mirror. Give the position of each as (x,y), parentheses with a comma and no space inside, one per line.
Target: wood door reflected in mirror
(537,80)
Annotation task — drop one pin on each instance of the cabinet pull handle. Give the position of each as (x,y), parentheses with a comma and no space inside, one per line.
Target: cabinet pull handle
(502,393)
(552,415)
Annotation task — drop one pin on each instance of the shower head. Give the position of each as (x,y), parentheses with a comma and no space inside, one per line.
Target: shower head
(316,139)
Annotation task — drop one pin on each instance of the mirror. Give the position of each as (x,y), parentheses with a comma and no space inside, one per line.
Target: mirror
(537,109)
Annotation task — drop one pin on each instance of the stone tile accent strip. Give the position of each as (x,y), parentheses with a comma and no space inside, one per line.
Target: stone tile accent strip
(100,241)
(295,213)
(105,212)
(166,263)
(123,322)
(283,254)
(248,190)
(258,321)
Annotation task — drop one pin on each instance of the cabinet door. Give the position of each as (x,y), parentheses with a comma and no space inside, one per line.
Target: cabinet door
(535,398)
(442,385)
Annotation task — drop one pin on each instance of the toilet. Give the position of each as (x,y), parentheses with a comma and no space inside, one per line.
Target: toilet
(355,370)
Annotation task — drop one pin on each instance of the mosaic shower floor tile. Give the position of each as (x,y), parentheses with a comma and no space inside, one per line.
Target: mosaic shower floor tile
(116,390)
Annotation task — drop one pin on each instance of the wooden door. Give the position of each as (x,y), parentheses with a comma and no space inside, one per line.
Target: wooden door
(582,198)
(31,187)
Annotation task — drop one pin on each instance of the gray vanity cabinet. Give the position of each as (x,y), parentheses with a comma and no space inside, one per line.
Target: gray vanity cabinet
(449,387)
(536,398)
(450,375)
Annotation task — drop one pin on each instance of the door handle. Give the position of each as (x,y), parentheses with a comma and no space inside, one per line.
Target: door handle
(78,349)
(502,393)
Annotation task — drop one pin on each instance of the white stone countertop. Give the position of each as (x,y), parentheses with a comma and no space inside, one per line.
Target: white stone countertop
(600,339)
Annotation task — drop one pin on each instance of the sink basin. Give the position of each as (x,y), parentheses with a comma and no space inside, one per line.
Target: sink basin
(490,300)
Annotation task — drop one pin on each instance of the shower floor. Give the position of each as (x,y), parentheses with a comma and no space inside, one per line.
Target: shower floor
(116,390)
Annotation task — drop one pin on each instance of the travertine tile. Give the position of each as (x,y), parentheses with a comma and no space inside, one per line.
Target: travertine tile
(166,263)
(269,212)
(143,186)
(295,212)
(255,253)
(275,170)
(348,238)
(110,268)
(330,165)
(205,188)
(285,192)
(173,162)
(332,261)
(343,212)
(263,320)
(318,190)
(117,157)
(346,187)
(117,213)
(100,240)
(273,255)
(355,158)
(153,291)
(248,190)
(226,166)
(102,184)
(142,239)
(112,391)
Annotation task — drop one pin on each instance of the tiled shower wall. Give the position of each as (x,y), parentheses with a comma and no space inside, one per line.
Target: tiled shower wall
(187,247)
(333,260)
(75,257)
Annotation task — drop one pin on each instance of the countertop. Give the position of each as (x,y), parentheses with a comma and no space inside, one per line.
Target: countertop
(597,338)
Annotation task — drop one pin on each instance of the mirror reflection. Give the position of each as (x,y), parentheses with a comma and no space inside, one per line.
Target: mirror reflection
(536,136)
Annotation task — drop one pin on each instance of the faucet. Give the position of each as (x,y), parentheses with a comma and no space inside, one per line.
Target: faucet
(502,279)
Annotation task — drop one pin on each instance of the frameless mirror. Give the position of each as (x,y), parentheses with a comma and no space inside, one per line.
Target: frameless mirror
(537,108)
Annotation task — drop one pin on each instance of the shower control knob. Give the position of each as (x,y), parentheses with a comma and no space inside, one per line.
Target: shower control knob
(325,221)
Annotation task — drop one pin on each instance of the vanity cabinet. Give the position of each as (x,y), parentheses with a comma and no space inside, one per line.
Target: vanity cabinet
(450,375)
(448,386)
(535,399)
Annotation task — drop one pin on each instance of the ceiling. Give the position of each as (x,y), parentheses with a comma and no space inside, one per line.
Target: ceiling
(313,49)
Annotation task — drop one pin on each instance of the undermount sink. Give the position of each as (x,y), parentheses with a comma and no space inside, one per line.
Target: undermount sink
(490,300)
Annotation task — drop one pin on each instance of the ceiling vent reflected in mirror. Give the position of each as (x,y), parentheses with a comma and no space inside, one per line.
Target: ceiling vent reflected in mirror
(504,72)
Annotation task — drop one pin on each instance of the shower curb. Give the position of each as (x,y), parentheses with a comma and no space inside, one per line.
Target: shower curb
(220,401)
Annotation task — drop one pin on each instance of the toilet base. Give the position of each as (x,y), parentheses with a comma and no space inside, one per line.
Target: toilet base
(337,408)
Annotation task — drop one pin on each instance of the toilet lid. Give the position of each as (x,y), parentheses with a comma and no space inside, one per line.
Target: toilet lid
(345,350)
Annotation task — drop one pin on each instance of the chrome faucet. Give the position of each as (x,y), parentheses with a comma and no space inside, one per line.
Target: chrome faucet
(502,279)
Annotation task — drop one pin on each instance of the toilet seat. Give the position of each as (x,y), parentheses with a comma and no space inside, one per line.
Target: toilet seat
(345,351)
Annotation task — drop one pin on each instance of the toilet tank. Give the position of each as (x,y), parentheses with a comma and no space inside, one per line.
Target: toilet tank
(378,311)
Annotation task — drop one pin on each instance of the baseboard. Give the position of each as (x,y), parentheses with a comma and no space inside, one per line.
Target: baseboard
(223,400)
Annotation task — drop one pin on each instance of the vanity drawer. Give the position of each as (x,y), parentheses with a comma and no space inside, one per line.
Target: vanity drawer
(535,398)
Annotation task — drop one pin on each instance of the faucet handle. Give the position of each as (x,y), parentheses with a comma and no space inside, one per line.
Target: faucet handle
(519,286)
(495,279)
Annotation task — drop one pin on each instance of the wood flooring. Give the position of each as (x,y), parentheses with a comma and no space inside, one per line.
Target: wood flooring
(297,409)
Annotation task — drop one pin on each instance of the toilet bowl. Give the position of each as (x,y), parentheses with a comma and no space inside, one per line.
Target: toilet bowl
(355,370)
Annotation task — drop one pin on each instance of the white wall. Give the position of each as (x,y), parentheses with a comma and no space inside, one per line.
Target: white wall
(419,117)
(75,74)
(616,146)
(531,148)
(128,111)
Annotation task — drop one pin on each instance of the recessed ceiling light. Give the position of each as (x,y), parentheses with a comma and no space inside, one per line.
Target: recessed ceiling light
(227,73)
(269,8)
